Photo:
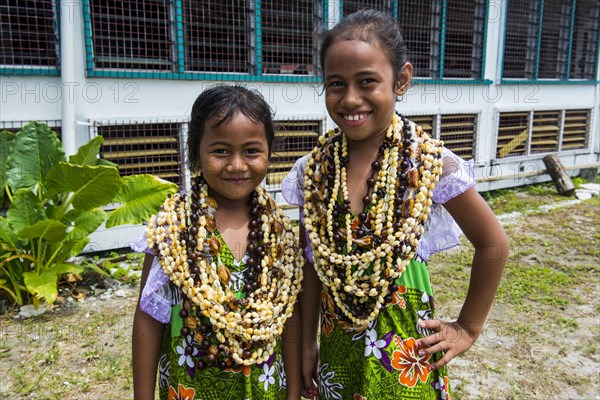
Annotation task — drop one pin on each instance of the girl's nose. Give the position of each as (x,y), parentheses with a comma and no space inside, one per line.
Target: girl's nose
(237,164)
(351,97)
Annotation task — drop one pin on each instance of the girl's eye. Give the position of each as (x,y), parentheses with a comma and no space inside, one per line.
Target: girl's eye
(366,81)
(334,84)
(220,151)
(252,151)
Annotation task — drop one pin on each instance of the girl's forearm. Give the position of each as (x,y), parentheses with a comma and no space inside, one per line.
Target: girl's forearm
(291,347)
(488,264)
(146,340)
(310,303)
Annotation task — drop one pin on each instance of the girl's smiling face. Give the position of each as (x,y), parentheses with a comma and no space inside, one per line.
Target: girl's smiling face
(234,157)
(361,88)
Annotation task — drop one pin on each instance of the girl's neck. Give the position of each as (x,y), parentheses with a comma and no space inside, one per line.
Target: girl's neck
(232,217)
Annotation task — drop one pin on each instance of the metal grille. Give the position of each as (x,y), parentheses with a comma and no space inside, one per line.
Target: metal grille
(584,51)
(217,36)
(544,131)
(556,41)
(513,132)
(28,34)
(554,45)
(463,49)
(420,23)
(293,139)
(132,35)
(351,6)
(576,129)
(144,148)
(15,126)
(287,36)
(521,37)
(458,133)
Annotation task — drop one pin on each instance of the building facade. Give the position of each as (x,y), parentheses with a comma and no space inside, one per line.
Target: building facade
(502,83)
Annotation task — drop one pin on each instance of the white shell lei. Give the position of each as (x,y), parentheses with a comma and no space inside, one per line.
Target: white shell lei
(359,276)
(258,324)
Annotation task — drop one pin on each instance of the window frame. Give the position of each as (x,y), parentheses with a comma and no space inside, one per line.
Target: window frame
(179,71)
(39,70)
(549,81)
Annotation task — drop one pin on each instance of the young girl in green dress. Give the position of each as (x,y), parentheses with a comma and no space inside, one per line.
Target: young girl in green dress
(223,270)
(378,196)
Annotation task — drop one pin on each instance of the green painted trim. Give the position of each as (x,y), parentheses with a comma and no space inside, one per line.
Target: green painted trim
(395,10)
(548,82)
(536,73)
(325,21)
(443,39)
(87,33)
(341,8)
(571,29)
(179,35)
(29,70)
(258,20)
(486,7)
(201,76)
(426,81)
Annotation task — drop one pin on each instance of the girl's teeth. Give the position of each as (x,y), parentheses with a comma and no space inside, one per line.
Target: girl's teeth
(354,117)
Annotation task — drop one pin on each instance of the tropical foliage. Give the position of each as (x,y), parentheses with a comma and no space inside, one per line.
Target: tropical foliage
(55,203)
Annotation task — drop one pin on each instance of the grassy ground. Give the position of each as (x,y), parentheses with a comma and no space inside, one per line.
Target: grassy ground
(541,340)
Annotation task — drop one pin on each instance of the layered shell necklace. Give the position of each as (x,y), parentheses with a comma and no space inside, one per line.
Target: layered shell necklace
(247,323)
(360,259)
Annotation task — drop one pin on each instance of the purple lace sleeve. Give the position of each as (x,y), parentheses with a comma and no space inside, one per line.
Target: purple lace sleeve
(441,231)
(155,299)
(292,190)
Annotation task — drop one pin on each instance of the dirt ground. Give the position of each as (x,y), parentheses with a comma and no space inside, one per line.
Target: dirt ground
(540,341)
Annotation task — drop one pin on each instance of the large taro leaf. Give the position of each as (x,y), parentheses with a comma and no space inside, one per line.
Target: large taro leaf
(91,186)
(49,229)
(42,285)
(6,139)
(8,237)
(88,153)
(34,151)
(26,209)
(82,223)
(68,248)
(140,197)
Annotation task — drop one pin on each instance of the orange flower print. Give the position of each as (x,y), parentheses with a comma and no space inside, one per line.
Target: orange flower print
(183,394)
(359,397)
(397,297)
(406,359)
(326,314)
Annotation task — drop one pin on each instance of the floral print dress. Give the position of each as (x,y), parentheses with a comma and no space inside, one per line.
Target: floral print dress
(382,362)
(178,376)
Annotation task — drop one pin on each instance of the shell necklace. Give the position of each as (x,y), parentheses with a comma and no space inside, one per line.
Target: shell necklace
(246,324)
(359,260)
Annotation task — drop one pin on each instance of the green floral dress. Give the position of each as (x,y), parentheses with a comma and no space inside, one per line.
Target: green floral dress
(178,377)
(382,361)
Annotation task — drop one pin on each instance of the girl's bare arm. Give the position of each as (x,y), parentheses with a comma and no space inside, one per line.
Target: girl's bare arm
(145,345)
(292,354)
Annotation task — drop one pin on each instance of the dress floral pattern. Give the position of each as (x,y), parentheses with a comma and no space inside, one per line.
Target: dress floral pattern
(180,379)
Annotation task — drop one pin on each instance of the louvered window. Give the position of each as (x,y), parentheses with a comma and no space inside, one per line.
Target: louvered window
(143,148)
(458,133)
(217,36)
(438,48)
(538,132)
(287,36)
(293,139)
(544,131)
(28,36)
(132,35)
(575,133)
(551,39)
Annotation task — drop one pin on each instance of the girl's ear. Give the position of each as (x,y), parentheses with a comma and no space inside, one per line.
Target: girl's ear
(404,79)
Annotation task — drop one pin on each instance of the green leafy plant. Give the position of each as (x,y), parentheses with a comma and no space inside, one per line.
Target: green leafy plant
(55,204)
